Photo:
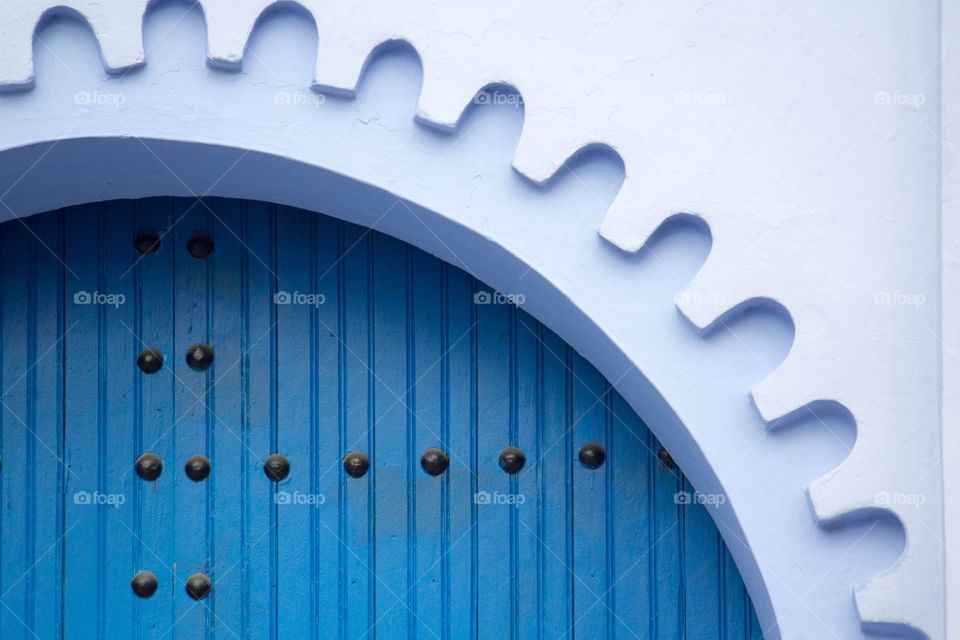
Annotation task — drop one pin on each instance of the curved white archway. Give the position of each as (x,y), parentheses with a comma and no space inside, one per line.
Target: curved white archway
(178,127)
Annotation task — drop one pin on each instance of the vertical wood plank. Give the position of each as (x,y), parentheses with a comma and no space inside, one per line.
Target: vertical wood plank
(18,441)
(734,611)
(235,306)
(460,569)
(360,589)
(298,505)
(258,382)
(703,578)
(555,472)
(494,398)
(666,544)
(31,429)
(85,552)
(630,460)
(225,445)
(397,460)
(295,428)
(196,425)
(100,536)
(117,415)
(591,584)
(155,415)
(426,397)
(330,480)
(525,509)
(44,390)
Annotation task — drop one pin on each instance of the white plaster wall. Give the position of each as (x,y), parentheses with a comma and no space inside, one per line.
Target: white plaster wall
(949,328)
(806,135)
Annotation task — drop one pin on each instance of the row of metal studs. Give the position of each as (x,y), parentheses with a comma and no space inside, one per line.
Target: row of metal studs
(434,461)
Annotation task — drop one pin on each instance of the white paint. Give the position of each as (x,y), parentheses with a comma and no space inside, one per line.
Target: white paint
(950,310)
(771,123)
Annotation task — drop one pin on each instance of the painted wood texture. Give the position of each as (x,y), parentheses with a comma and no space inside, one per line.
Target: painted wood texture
(328,338)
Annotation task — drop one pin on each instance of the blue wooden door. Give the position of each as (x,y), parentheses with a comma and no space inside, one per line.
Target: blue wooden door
(225,419)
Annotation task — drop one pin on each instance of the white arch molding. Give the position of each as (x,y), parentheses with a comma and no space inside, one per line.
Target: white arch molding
(675,118)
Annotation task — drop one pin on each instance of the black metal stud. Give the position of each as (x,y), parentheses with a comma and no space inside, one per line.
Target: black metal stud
(149,466)
(665,458)
(150,360)
(276,467)
(144,584)
(356,463)
(512,459)
(147,241)
(200,356)
(198,586)
(592,455)
(200,244)
(197,468)
(434,461)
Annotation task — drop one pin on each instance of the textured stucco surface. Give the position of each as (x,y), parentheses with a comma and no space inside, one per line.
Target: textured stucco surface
(804,135)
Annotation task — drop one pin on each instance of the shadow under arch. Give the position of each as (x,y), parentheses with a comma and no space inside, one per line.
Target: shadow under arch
(130,168)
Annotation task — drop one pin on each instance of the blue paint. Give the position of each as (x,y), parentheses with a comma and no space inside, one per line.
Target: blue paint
(155,414)
(195,428)
(32,321)
(381,348)
(100,538)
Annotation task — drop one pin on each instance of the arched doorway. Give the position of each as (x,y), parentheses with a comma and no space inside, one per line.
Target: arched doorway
(325,339)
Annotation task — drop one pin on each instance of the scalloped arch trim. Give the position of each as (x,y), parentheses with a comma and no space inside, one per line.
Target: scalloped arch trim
(577,94)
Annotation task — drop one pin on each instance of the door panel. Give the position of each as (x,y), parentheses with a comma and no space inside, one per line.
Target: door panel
(99,407)
(31,429)
(327,339)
